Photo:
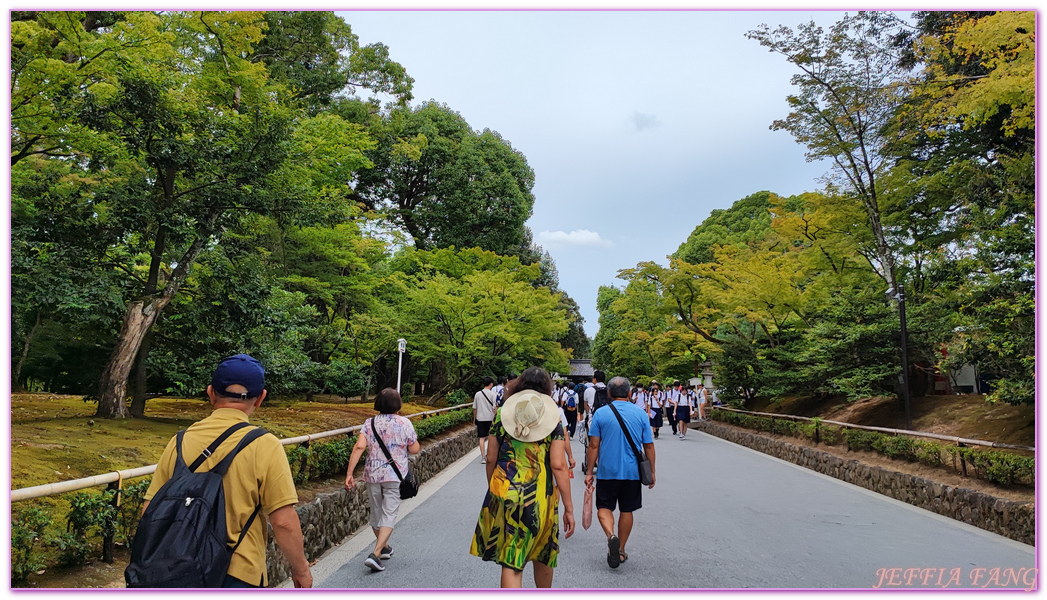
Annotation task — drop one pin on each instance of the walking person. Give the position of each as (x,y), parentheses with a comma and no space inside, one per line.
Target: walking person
(669,404)
(683,407)
(639,397)
(485,404)
(569,402)
(383,484)
(257,480)
(655,400)
(702,395)
(612,437)
(519,519)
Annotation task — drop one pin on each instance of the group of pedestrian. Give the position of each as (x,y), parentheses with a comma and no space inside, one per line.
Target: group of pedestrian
(523,436)
(529,470)
(677,405)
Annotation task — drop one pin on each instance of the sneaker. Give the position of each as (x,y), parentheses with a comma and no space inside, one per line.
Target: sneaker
(483,460)
(386,553)
(373,563)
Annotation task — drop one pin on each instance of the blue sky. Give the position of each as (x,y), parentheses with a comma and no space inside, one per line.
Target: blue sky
(636,123)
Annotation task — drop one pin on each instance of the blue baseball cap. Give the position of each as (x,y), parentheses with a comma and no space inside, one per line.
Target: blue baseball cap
(240,369)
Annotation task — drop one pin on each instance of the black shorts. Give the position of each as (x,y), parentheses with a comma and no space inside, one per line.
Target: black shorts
(483,428)
(623,492)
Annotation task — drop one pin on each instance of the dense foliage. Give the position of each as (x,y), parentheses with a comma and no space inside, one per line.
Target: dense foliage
(930,131)
(188,185)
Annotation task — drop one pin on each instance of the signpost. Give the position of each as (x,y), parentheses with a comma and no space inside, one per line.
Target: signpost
(402,347)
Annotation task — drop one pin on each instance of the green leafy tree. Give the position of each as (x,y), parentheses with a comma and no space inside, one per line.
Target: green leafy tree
(446,184)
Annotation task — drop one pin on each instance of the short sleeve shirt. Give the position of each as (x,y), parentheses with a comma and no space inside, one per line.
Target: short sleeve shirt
(616,459)
(397,433)
(485,402)
(259,475)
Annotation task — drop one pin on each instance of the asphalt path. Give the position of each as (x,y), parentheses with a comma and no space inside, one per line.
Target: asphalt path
(720,516)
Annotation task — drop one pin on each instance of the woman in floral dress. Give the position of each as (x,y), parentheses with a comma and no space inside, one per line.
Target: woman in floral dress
(527,476)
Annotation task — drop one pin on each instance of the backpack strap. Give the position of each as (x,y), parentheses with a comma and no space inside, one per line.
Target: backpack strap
(210,449)
(251,436)
(381,445)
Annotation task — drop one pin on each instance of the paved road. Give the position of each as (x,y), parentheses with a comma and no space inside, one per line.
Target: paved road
(720,516)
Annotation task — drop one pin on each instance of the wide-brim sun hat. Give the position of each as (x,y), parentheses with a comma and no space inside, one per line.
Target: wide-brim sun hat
(529,416)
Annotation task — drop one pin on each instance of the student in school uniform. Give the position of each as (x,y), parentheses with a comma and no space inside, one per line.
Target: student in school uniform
(655,400)
(683,405)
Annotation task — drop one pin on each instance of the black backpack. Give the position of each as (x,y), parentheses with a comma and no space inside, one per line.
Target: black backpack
(601,398)
(181,539)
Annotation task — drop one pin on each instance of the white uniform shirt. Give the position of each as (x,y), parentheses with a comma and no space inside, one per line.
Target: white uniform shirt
(640,398)
(657,399)
(672,395)
(686,398)
(590,395)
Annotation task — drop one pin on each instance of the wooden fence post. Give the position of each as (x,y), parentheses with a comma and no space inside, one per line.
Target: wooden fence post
(963,462)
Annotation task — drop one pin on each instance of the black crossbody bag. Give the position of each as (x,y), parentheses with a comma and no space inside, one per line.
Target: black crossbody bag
(646,478)
(409,482)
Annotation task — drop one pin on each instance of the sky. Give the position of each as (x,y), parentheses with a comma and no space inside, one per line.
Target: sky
(637,124)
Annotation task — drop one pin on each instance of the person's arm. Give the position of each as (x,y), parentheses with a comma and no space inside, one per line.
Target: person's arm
(590,459)
(492,455)
(287,530)
(648,449)
(563,483)
(570,456)
(354,458)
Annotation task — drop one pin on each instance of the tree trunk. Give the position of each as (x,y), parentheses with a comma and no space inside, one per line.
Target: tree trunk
(140,316)
(112,389)
(141,377)
(16,379)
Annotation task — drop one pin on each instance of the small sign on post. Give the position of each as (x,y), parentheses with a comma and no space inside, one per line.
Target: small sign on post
(401,345)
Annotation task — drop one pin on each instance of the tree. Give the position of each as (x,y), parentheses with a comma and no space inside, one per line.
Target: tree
(446,184)
(847,95)
(472,308)
(202,137)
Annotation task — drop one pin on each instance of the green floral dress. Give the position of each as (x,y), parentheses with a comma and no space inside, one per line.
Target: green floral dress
(520,514)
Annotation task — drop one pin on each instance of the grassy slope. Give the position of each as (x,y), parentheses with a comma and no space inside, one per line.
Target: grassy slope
(967,416)
(57,438)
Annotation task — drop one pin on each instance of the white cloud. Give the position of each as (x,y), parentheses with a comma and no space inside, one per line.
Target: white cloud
(578,237)
(644,121)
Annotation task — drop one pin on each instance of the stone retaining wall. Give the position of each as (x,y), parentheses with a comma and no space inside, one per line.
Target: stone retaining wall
(333,516)
(1016,520)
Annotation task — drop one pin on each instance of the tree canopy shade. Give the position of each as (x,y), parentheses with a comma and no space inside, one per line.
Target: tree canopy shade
(188,135)
(446,184)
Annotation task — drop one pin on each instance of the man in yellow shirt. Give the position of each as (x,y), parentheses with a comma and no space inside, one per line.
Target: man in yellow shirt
(259,476)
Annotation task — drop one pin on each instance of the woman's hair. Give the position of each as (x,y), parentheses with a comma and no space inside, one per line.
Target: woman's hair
(388,402)
(533,378)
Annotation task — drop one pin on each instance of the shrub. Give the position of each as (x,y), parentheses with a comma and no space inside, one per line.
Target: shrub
(90,514)
(859,439)
(830,435)
(898,447)
(27,526)
(929,453)
(131,500)
(457,397)
(1000,467)
(406,391)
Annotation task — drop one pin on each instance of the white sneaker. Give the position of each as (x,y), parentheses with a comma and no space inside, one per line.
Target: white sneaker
(483,460)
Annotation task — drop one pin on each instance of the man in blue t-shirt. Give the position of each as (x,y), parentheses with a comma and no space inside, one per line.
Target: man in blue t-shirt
(617,472)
